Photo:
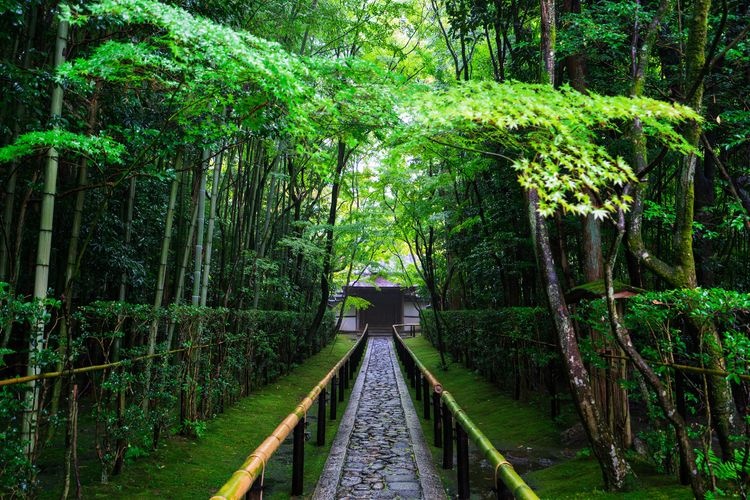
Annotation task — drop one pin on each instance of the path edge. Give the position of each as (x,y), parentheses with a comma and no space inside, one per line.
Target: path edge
(329,480)
(432,485)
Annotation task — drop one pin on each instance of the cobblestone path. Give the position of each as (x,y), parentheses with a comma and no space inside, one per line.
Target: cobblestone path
(380,460)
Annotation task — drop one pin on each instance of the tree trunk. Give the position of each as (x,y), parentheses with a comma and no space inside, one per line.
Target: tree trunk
(682,273)
(341,159)
(616,471)
(210,229)
(622,335)
(44,245)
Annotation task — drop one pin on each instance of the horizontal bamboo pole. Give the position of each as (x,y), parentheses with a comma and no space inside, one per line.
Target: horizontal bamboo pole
(503,469)
(242,480)
(434,383)
(674,366)
(94,368)
(105,366)
(678,367)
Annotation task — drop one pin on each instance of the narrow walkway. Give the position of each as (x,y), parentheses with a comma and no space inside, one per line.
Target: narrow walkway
(379,451)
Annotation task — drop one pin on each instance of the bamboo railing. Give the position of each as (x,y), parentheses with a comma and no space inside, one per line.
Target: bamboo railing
(412,328)
(245,478)
(508,484)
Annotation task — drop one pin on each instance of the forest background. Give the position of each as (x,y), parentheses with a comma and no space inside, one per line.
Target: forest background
(187,174)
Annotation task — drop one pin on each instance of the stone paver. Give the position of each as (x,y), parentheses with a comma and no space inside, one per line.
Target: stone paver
(379,461)
(379,450)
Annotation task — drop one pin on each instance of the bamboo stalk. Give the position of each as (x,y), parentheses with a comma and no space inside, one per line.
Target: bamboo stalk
(198,262)
(93,368)
(44,246)
(210,229)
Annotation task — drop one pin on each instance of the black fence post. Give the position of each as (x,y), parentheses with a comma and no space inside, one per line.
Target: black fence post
(255,492)
(436,429)
(462,459)
(334,385)
(321,418)
(418,385)
(298,458)
(342,378)
(503,493)
(426,397)
(447,438)
(346,374)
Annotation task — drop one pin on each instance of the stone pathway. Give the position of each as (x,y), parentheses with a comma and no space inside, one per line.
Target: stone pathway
(385,455)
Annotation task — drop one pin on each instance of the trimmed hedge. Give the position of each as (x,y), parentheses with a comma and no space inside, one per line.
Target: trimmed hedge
(513,347)
(224,354)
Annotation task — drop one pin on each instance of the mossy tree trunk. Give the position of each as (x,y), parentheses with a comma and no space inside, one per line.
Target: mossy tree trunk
(616,470)
(681,273)
(687,455)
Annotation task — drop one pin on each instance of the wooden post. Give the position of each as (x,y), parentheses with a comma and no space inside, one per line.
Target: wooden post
(321,418)
(426,397)
(462,459)
(447,438)
(334,385)
(298,458)
(347,374)
(436,428)
(418,385)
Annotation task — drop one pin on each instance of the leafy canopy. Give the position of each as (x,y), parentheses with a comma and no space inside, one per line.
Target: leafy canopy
(98,148)
(554,139)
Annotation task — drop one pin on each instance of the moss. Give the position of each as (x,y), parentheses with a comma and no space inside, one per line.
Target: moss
(582,478)
(184,468)
(489,408)
(525,428)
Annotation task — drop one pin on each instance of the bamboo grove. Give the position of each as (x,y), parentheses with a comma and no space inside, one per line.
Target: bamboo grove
(185,185)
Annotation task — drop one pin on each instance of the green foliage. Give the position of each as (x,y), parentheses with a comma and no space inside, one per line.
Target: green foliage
(356,303)
(230,353)
(555,139)
(732,474)
(16,470)
(210,67)
(194,428)
(101,149)
(501,344)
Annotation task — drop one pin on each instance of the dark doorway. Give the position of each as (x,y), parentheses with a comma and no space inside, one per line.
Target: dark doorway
(386,309)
